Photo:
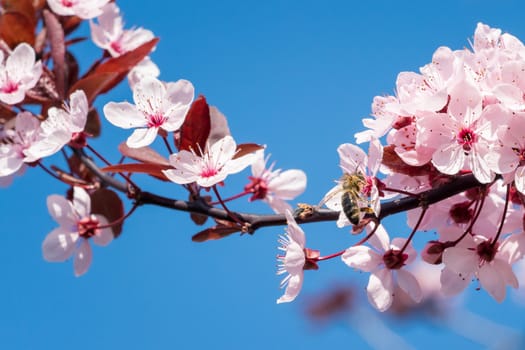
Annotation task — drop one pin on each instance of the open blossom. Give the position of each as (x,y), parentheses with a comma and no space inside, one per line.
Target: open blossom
(16,145)
(157,105)
(84,9)
(77,226)
(461,137)
(109,34)
(293,260)
(275,186)
(63,126)
(215,164)
(354,161)
(18,73)
(385,262)
(490,262)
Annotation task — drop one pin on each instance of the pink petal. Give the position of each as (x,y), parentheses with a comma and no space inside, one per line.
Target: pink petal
(83,257)
(460,260)
(277,204)
(105,235)
(409,284)
(492,282)
(380,289)
(452,283)
(449,159)
(62,211)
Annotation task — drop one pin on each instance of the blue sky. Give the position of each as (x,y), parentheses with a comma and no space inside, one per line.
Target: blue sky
(297,76)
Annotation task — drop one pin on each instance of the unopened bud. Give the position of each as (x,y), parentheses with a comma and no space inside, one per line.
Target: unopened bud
(433,251)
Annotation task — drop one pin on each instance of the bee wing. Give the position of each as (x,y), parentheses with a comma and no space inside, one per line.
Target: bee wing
(333,198)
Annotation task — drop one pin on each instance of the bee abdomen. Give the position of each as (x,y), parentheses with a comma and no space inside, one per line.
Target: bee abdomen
(350,208)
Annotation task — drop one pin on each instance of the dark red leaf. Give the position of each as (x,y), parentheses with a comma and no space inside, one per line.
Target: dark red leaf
(25,7)
(79,169)
(214,233)
(246,148)
(107,203)
(143,154)
(16,28)
(121,65)
(94,84)
(140,168)
(55,34)
(72,69)
(196,128)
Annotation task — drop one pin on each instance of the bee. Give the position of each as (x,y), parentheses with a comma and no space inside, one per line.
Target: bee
(352,197)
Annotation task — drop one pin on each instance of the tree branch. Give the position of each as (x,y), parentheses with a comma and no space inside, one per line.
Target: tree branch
(457,185)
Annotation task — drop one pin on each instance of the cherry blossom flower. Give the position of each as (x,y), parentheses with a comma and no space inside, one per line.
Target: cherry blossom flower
(353,160)
(16,144)
(158,105)
(490,262)
(85,9)
(109,33)
(18,73)
(293,261)
(274,186)
(385,263)
(461,137)
(77,226)
(62,127)
(216,163)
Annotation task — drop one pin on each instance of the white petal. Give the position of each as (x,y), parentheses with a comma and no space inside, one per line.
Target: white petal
(278,205)
(294,230)
(295,283)
(59,244)
(124,115)
(142,137)
(288,184)
(83,256)
(362,258)
(149,95)
(380,289)
(352,158)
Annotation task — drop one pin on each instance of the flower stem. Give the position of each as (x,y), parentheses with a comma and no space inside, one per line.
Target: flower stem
(230,214)
(239,195)
(121,219)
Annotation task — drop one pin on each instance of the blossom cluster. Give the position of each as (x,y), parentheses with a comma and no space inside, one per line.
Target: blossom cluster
(463,113)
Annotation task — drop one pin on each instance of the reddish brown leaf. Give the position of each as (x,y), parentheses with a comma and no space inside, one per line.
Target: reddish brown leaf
(199,219)
(139,168)
(70,23)
(196,128)
(6,113)
(246,148)
(107,203)
(78,168)
(70,179)
(93,125)
(143,154)
(16,28)
(55,34)
(25,7)
(94,84)
(214,233)
(121,65)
